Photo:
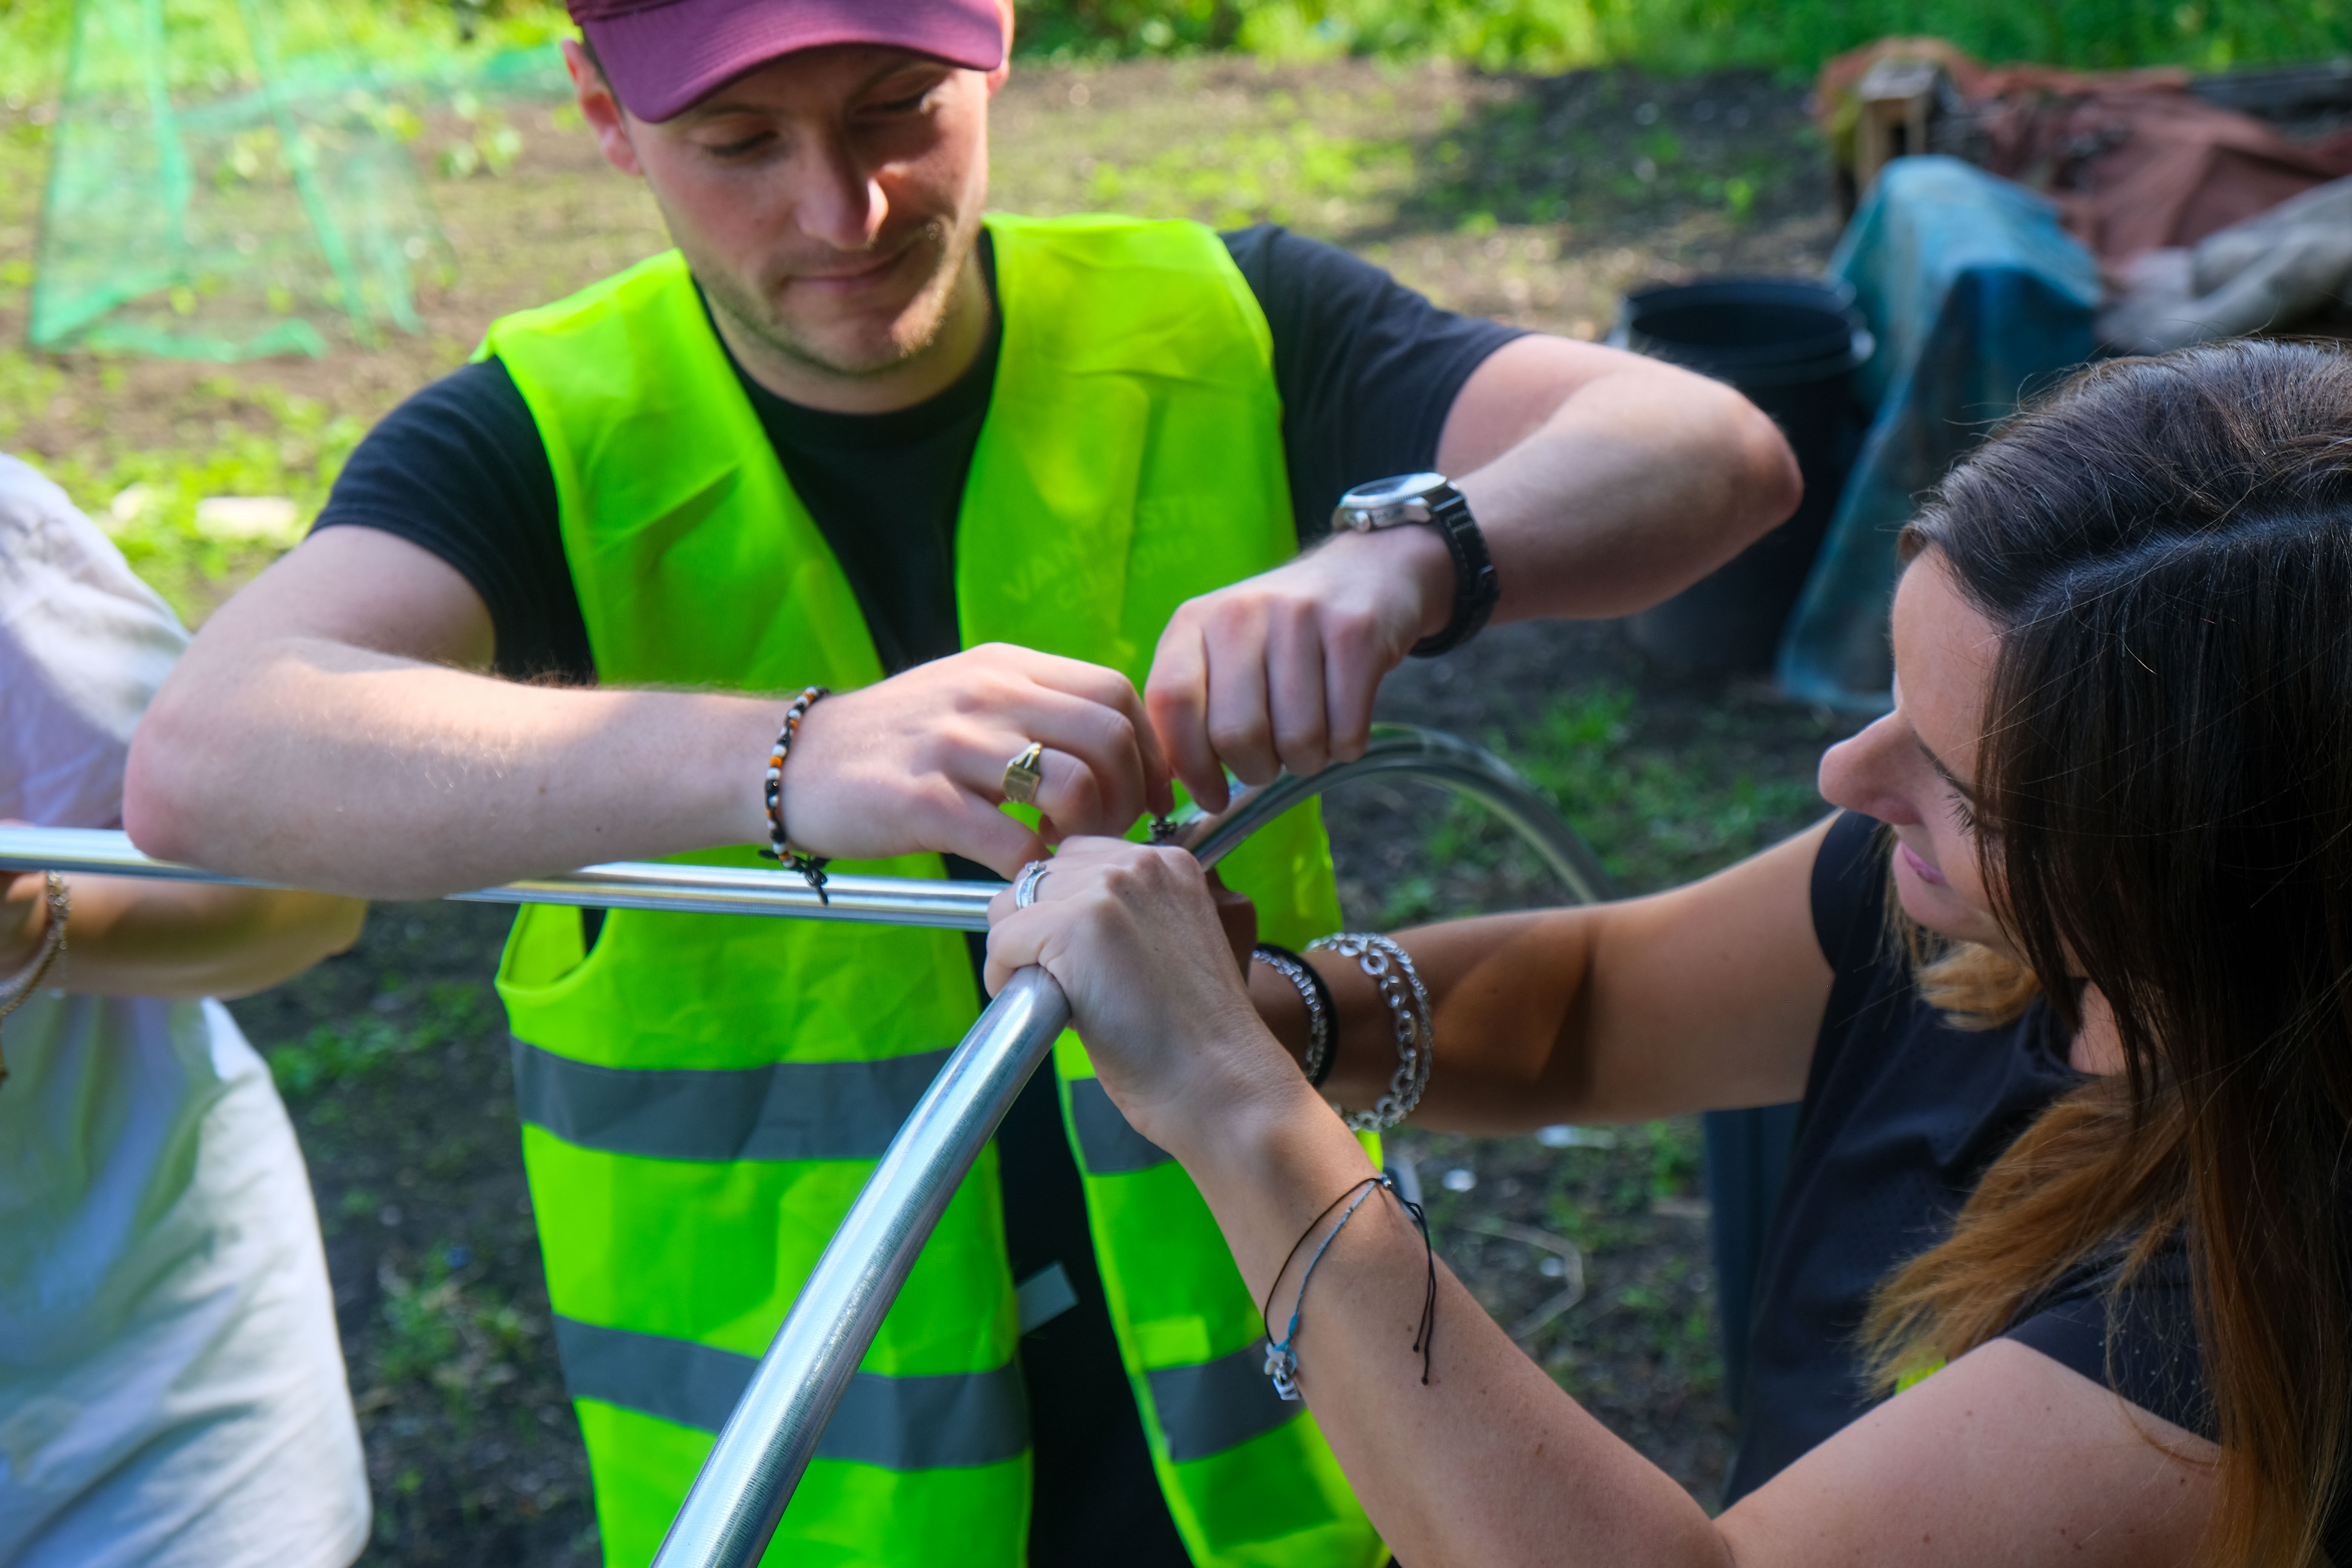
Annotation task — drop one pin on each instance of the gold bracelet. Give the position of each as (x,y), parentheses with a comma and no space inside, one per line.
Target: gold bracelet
(19,986)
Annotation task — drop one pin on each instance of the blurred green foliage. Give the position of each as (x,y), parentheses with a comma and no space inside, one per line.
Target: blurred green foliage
(360,1046)
(458,1336)
(1793,37)
(391,35)
(1688,35)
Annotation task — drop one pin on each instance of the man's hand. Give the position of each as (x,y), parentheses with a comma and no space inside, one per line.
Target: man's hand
(918,761)
(1278,671)
(1602,481)
(316,734)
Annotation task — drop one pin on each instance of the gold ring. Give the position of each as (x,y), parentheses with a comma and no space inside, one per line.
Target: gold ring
(1022,775)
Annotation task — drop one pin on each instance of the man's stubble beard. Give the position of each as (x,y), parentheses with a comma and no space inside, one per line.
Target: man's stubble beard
(937,301)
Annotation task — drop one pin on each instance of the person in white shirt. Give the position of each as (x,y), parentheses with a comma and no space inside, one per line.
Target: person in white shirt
(172,1388)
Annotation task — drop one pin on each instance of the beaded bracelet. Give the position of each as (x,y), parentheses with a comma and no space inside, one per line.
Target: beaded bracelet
(779,849)
(1392,970)
(1316,1064)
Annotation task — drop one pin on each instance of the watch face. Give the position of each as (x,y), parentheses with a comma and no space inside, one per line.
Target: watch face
(1393,492)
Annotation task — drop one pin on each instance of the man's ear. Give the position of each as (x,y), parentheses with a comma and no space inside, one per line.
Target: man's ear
(996,77)
(601,109)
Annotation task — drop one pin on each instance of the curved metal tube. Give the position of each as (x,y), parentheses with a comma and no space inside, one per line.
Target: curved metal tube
(739,1496)
(1431,756)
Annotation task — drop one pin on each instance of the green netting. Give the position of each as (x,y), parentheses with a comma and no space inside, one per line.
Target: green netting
(230,180)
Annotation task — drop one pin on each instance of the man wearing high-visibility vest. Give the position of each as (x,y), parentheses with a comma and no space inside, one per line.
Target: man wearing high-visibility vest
(983,479)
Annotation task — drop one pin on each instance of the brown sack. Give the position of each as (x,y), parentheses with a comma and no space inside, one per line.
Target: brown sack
(2134,161)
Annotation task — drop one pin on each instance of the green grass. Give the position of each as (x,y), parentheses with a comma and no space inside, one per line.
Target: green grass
(444,1330)
(1657,814)
(361,1045)
(1300,175)
(1659,808)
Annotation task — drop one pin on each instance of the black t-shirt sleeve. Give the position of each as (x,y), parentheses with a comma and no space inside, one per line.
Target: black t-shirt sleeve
(1850,894)
(1367,369)
(1848,898)
(459,470)
(2140,1342)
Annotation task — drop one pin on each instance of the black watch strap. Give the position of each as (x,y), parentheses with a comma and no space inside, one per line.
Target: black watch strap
(1476,587)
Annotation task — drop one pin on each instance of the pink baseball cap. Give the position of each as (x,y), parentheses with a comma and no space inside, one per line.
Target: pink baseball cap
(660,56)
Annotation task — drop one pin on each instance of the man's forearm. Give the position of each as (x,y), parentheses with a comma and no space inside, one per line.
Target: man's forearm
(1639,482)
(322,765)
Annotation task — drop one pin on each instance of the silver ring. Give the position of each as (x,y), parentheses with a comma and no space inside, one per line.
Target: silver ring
(1025,886)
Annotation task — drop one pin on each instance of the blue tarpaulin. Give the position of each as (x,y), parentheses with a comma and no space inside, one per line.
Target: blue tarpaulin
(1978,299)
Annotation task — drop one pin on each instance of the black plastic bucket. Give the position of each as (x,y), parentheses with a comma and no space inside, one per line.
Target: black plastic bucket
(1791,345)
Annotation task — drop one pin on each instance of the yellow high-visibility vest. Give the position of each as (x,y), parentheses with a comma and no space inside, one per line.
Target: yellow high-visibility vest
(703,1096)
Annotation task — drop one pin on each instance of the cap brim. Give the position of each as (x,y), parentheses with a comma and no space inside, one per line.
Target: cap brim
(665,59)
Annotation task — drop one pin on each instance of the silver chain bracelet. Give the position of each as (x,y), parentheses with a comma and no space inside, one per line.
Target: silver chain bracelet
(1391,970)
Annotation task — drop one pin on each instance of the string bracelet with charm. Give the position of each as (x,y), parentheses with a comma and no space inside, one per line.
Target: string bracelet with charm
(1281,1356)
(779,847)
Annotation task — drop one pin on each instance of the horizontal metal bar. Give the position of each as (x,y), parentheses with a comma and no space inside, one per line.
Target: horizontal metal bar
(1396,749)
(618,884)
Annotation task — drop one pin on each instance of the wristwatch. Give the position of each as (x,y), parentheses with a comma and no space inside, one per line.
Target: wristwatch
(1431,501)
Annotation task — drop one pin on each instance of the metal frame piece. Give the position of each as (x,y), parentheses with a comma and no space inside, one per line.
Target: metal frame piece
(618,884)
(760,1453)
(740,1494)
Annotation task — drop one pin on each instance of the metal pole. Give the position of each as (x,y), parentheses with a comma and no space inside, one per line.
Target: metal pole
(620,885)
(739,1496)
(743,1485)
(760,1453)
(1403,749)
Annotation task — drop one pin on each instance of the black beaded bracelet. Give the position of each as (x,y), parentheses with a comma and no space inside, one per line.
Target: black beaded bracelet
(779,848)
(1322,1016)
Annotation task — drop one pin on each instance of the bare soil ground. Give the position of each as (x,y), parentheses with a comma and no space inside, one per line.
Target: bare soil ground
(1534,201)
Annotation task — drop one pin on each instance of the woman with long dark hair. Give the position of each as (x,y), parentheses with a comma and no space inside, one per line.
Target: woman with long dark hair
(2066,989)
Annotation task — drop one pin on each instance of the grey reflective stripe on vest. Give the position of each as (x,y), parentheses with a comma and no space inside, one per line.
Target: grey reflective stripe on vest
(785,1110)
(1110,1144)
(923,1422)
(1218,1404)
